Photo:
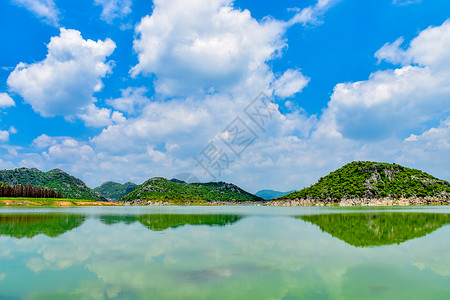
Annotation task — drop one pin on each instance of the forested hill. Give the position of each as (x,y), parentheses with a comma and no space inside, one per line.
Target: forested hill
(56,179)
(365,179)
(114,191)
(161,189)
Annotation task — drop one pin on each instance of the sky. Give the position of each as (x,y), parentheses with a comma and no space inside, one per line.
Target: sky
(263,94)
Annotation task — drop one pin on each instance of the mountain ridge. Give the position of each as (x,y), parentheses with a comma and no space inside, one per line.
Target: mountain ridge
(159,189)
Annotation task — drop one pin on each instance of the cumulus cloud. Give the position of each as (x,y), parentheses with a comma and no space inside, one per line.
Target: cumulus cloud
(204,45)
(64,82)
(391,52)
(405,2)
(428,49)
(290,83)
(100,117)
(6,101)
(132,100)
(4,136)
(311,14)
(112,9)
(429,150)
(384,118)
(396,101)
(45,141)
(43,9)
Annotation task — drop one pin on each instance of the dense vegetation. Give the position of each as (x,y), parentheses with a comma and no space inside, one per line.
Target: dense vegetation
(159,222)
(270,194)
(27,191)
(30,225)
(114,191)
(161,189)
(56,179)
(371,179)
(377,229)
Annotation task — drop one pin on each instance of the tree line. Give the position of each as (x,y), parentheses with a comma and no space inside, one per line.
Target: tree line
(28,191)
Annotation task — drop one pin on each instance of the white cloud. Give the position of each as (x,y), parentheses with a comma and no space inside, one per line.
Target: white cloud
(100,117)
(311,14)
(112,9)
(132,100)
(405,2)
(69,148)
(393,53)
(204,45)
(6,101)
(292,82)
(45,141)
(429,150)
(4,136)
(43,9)
(12,130)
(428,49)
(395,102)
(64,82)
(384,118)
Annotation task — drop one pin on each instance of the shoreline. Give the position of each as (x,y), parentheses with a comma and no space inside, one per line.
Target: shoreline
(385,201)
(347,202)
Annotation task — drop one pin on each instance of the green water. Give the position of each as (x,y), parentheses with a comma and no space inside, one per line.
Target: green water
(224,253)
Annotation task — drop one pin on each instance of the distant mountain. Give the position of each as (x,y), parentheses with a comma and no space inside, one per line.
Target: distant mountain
(56,179)
(365,179)
(161,189)
(270,194)
(115,191)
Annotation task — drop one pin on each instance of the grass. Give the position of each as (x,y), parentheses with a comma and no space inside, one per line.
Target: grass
(11,201)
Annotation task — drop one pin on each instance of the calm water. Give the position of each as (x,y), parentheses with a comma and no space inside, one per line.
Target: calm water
(225,253)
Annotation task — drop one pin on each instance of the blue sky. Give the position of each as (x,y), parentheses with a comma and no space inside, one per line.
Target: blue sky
(130,89)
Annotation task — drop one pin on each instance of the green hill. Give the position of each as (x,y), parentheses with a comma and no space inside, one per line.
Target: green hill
(56,179)
(115,191)
(161,189)
(377,229)
(365,179)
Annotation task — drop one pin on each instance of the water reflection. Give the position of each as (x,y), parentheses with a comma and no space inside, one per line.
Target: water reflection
(378,229)
(30,225)
(159,222)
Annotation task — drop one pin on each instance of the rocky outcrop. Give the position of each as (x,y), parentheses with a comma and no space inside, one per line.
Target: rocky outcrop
(384,201)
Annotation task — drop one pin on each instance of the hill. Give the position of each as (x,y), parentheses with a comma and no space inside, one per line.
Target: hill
(56,179)
(177,192)
(270,194)
(114,191)
(365,179)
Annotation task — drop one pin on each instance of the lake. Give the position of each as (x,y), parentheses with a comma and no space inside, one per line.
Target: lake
(225,252)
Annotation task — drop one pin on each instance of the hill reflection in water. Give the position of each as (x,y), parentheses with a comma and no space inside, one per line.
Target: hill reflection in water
(159,222)
(30,225)
(377,229)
